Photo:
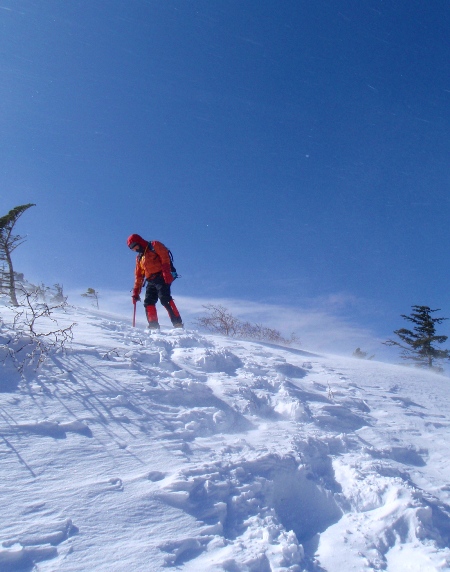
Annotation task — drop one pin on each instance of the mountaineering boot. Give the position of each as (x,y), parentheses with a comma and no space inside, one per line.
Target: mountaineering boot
(174,315)
(152,318)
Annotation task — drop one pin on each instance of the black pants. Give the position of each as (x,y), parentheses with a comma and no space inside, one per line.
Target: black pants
(158,289)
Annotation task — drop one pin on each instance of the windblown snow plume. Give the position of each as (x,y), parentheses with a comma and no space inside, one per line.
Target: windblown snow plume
(137,451)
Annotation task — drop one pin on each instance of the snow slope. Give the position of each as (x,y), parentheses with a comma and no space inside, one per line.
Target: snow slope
(177,450)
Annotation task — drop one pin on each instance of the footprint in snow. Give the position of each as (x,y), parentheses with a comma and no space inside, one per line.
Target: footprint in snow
(182,551)
(404,455)
(339,418)
(213,361)
(24,551)
(155,476)
(116,484)
(290,370)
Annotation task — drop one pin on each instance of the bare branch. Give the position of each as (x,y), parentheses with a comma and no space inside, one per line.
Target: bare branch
(36,332)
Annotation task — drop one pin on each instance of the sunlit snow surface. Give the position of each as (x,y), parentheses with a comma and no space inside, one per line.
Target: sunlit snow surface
(137,451)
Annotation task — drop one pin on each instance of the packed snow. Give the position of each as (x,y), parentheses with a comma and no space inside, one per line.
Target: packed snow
(178,450)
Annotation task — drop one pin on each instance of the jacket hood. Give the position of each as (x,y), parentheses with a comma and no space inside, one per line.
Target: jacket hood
(137,239)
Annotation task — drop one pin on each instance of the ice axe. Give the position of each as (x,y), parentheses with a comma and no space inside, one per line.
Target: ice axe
(134,313)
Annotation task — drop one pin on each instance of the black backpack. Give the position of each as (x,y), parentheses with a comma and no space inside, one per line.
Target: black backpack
(173,270)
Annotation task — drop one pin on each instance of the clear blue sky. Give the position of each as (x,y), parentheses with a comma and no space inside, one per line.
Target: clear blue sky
(287,151)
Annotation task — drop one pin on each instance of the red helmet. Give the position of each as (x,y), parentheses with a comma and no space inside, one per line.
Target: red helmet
(136,240)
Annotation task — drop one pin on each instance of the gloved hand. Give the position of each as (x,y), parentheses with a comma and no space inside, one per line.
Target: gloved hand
(167,274)
(135,296)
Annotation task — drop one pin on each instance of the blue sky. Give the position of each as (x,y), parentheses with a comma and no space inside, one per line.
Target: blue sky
(291,152)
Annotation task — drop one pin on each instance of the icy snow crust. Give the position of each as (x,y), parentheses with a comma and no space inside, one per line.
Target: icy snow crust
(138,451)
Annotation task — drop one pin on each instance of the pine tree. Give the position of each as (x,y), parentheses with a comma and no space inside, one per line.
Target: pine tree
(58,294)
(93,295)
(418,345)
(8,243)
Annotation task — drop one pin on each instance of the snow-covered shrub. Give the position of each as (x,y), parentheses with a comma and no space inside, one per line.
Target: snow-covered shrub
(220,321)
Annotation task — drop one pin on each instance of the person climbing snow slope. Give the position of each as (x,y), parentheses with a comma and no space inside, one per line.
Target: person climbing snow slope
(153,267)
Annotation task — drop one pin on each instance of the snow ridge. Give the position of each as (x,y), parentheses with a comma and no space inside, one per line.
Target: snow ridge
(178,450)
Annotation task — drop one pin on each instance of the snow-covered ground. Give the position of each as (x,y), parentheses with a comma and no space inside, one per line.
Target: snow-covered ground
(177,450)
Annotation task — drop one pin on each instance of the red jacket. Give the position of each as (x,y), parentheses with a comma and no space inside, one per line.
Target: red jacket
(151,262)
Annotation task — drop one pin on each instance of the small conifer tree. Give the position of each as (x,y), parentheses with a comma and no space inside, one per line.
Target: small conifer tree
(93,295)
(8,243)
(58,294)
(358,353)
(418,344)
